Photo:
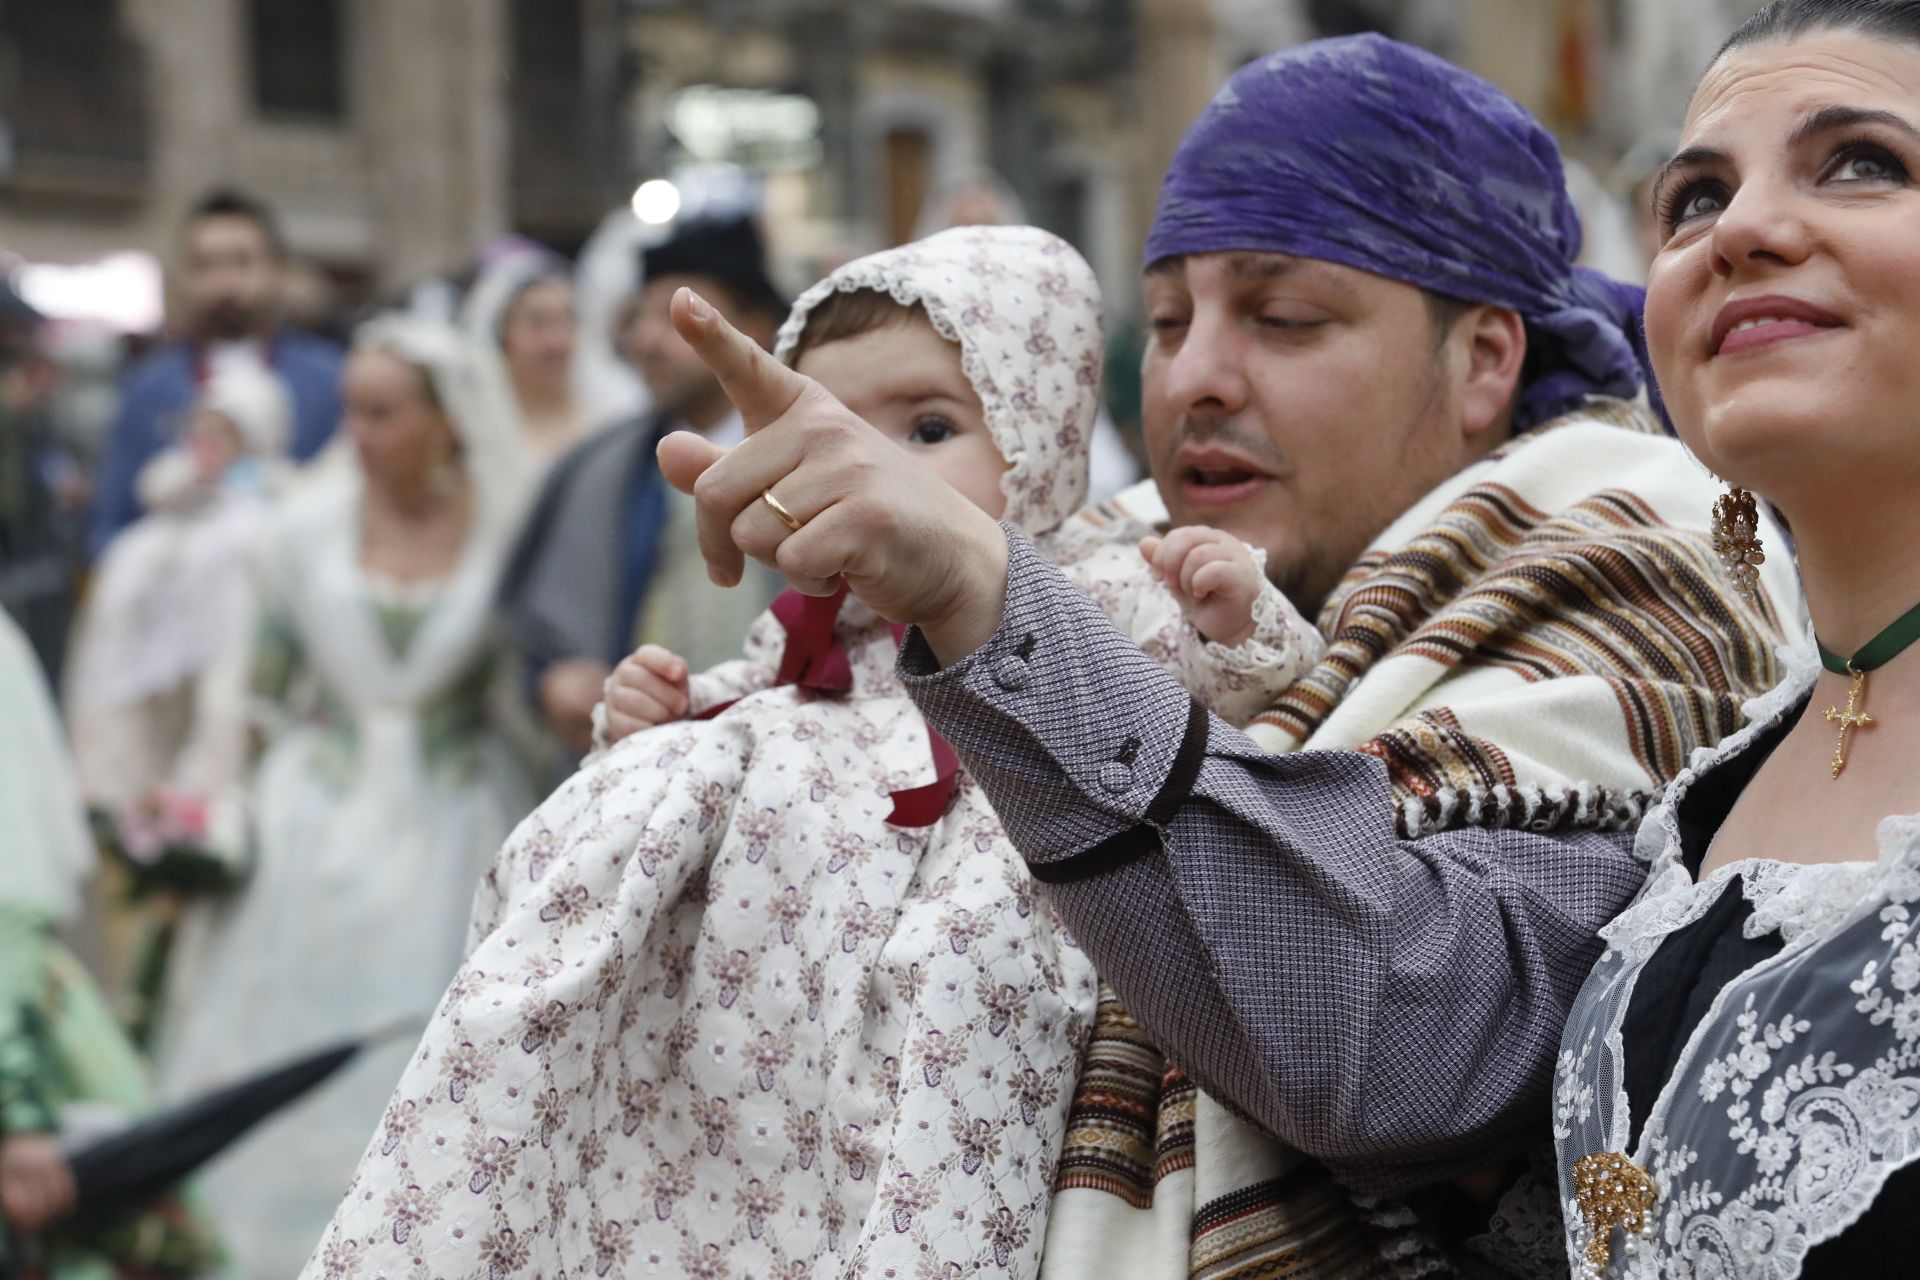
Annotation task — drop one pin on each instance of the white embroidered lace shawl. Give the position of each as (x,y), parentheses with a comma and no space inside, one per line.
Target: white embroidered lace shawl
(1799,1093)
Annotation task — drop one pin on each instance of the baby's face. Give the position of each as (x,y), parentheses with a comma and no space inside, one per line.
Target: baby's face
(214,442)
(906,380)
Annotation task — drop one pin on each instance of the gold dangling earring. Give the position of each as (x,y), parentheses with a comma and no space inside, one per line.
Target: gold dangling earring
(1736,540)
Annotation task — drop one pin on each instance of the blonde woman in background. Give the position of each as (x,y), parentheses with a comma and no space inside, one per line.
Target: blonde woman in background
(385,784)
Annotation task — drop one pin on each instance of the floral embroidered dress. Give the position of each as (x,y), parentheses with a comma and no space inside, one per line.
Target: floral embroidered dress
(771,993)
(1750,1041)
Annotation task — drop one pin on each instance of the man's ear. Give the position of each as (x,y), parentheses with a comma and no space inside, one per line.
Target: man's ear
(1491,344)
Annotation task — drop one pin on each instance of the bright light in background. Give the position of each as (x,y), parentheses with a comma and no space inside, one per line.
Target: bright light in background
(656,201)
(124,290)
(753,127)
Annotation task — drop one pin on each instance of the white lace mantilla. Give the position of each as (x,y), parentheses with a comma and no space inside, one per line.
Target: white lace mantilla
(1798,1094)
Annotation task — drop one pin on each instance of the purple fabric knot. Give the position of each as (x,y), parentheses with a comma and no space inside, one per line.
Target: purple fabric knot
(1380,156)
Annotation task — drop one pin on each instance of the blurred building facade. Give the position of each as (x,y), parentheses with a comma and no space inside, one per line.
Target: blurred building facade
(1076,104)
(396,136)
(374,131)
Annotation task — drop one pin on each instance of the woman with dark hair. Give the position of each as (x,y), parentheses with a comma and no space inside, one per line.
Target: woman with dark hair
(1740,1076)
(520,315)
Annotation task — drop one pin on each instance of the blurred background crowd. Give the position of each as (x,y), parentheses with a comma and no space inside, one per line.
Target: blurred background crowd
(333,345)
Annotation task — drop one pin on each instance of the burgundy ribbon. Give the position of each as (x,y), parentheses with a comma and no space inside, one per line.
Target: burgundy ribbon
(922,806)
(814,659)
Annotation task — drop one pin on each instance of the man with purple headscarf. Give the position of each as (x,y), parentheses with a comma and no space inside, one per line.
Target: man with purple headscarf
(1358,925)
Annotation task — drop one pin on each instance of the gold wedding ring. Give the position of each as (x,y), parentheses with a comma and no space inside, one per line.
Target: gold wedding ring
(779,509)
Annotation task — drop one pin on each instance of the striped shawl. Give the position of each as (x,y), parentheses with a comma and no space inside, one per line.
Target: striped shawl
(1542,642)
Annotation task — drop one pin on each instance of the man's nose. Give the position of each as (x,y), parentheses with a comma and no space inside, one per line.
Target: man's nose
(1208,371)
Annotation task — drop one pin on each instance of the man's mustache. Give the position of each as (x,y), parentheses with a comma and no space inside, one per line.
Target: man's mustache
(1227,433)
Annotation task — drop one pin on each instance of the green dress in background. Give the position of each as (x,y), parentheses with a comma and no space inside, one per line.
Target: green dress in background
(61,1050)
(63,1057)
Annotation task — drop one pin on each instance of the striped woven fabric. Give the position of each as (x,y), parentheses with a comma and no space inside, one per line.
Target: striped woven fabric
(1132,1127)
(1132,1118)
(1541,643)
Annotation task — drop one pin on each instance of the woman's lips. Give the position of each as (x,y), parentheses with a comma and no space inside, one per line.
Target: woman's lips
(1767,333)
(1751,323)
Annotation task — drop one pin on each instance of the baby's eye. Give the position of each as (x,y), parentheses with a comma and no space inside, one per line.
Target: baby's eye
(931,429)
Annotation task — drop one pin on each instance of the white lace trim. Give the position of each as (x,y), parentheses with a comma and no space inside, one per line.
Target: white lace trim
(1792,1103)
(1276,631)
(1793,900)
(986,290)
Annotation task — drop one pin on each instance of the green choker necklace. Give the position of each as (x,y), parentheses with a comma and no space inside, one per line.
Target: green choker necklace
(1875,653)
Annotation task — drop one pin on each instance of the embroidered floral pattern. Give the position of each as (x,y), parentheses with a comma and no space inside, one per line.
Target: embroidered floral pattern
(726,1018)
(1795,1100)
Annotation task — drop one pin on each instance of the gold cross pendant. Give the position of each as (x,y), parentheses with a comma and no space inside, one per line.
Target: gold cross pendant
(1849,719)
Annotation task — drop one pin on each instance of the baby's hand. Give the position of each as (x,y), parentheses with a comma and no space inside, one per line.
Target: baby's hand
(648,688)
(1212,575)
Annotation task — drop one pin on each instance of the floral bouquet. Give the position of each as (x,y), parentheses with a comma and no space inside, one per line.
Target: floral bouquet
(173,845)
(172,840)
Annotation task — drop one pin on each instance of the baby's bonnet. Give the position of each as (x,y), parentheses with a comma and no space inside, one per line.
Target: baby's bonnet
(1024,308)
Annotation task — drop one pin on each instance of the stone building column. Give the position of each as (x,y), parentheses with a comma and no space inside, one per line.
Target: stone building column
(432,85)
(1180,71)
(196,67)
(1513,43)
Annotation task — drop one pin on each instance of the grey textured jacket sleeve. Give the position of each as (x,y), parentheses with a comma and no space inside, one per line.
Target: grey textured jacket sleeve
(1391,1006)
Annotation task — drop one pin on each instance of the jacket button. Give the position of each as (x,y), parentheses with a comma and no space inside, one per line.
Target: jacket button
(1116,778)
(1010,673)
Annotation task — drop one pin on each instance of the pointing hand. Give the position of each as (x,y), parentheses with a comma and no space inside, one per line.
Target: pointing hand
(860,507)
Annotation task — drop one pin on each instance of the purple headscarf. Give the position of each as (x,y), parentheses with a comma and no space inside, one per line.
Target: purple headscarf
(1377,155)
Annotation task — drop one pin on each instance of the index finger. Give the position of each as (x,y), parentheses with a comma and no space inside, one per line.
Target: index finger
(760,387)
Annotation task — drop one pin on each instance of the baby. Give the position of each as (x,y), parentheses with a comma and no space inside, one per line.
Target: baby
(154,691)
(885,360)
(769,992)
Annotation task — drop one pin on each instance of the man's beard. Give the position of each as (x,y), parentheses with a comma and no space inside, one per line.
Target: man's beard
(1299,576)
(689,398)
(228,322)
(1304,580)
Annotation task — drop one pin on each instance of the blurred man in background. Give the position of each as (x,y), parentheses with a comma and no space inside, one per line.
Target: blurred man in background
(234,280)
(42,489)
(609,558)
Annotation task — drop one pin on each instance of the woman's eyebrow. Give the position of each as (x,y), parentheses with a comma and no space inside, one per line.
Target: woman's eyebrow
(1692,157)
(1828,119)
(1825,120)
